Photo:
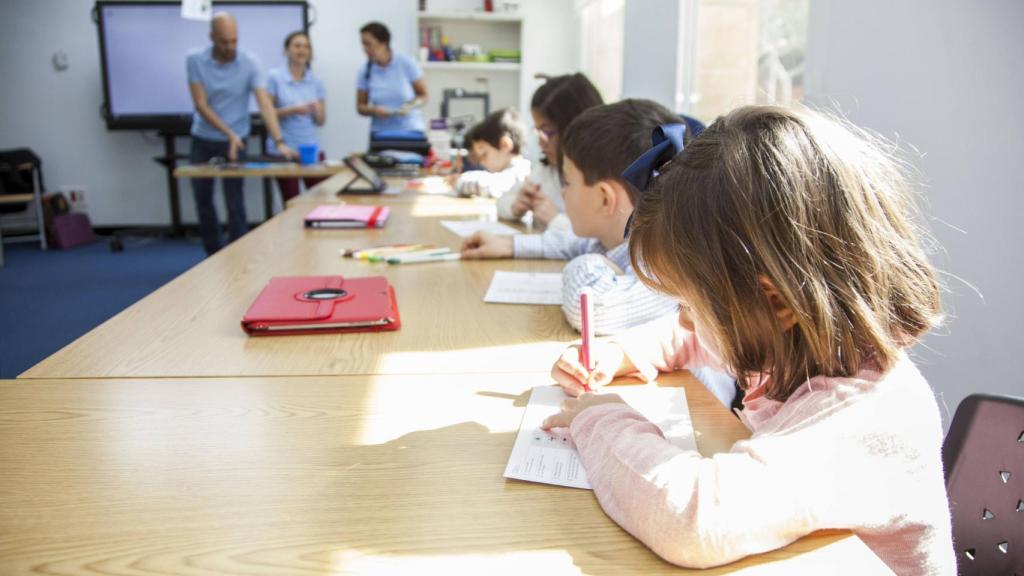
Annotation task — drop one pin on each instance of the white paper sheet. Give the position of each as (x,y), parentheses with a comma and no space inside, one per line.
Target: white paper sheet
(466,228)
(550,457)
(430,185)
(525,288)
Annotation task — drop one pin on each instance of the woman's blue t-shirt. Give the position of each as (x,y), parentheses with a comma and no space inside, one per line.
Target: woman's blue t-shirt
(390,87)
(296,129)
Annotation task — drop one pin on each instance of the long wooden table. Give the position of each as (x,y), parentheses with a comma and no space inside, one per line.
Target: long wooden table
(190,327)
(322,475)
(166,441)
(399,190)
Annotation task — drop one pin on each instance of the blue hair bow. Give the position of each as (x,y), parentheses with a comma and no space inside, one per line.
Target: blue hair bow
(666,143)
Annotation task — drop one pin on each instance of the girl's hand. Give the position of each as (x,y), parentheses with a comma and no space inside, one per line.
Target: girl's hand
(544,210)
(569,373)
(524,199)
(573,406)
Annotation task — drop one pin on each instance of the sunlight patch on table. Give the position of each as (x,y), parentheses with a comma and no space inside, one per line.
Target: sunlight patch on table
(498,564)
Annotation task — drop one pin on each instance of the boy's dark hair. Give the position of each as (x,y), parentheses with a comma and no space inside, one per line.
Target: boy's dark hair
(379,31)
(504,122)
(565,98)
(603,141)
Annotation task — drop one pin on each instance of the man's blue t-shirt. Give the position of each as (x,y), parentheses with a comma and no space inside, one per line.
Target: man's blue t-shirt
(285,91)
(227,86)
(390,87)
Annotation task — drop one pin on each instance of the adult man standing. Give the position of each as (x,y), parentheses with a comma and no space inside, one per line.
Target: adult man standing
(220,78)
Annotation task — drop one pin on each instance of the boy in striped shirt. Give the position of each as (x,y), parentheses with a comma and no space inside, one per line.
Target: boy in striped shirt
(595,149)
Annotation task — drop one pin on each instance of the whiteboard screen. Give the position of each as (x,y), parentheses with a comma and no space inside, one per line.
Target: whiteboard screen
(143,48)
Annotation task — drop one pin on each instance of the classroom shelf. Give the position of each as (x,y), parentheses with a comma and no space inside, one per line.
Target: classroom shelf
(503,81)
(485,66)
(477,16)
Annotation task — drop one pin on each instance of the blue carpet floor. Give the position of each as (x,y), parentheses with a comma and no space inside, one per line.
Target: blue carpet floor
(48,299)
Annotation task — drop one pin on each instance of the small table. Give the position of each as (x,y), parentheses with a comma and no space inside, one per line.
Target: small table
(260,170)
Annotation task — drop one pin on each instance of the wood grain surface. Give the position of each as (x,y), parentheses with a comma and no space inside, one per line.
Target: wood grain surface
(190,326)
(318,475)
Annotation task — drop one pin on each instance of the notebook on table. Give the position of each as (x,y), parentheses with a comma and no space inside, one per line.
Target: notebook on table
(319,304)
(347,216)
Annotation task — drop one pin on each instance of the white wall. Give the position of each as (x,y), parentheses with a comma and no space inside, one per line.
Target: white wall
(943,76)
(550,46)
(57,113)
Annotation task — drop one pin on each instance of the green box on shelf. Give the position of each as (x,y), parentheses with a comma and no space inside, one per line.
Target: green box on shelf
(510,56)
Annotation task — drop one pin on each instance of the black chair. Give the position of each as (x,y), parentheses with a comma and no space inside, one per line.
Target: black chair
(21,185)
(983,456)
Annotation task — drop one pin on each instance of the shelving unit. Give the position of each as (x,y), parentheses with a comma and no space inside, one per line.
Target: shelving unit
(484,66)
(473,16)
(490,31)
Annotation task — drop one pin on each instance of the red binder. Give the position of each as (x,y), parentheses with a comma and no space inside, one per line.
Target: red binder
(317,304)
(345,216)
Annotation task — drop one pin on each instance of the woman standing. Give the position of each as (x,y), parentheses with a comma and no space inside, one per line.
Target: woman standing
(298,96)
(390,88)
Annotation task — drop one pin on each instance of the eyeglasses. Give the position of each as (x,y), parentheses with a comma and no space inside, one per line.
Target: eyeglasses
(548,133)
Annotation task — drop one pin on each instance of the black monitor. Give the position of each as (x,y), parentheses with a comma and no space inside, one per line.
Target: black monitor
(143,46)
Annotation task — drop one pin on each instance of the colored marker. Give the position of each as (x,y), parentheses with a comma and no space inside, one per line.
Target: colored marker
(382,256)
(424,257)
(587,329)
(387,250)
(366,252)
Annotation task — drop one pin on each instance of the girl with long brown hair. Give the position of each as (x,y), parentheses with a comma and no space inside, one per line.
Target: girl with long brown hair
(789,239)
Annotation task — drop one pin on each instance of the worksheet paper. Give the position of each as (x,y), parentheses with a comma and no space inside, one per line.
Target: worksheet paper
(525,288)
(550,457)
(466,228)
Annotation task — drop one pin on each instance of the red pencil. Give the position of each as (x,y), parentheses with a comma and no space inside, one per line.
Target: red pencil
(587,329)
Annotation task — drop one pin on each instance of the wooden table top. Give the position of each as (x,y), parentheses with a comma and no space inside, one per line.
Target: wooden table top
(190,326)
(399,191)
(259,170)
(326,192)
(320,475)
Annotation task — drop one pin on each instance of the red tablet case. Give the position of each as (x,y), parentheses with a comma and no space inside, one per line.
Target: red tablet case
(343,216)
(287,305)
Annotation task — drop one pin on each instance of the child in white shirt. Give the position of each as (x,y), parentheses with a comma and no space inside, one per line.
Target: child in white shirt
(496,145)
(554,106)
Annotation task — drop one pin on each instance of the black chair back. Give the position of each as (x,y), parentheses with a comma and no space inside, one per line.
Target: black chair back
(983,456)
(20,173)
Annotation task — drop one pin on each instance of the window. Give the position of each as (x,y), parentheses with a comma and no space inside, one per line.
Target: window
(601,44)
(738,52)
